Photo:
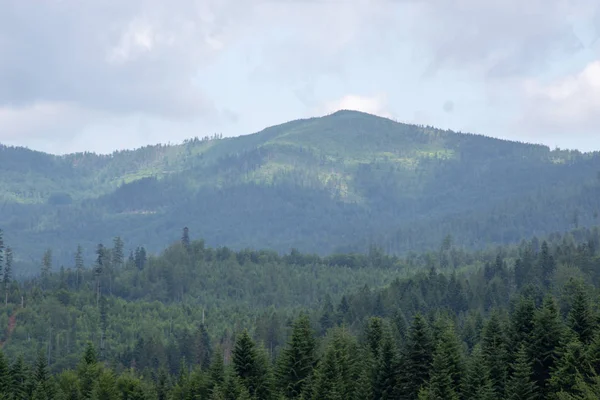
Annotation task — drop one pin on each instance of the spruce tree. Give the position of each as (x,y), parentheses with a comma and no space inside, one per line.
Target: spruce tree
(250,367)
(386,369)
(415,363)
(546,339)
(162,385)
(297,359)
(233,389)
(521,324)
(8,273)
(520,386)
(19,379)
(493,346)
(39,393)
(106,387)
(5,378)
(1,250)
(203,347)
(546,264)
(339,371)
(581,319)
(118,253)
(592,354)
(79,266)
(441,385)
(217,369)
(41,376)
(46,267)
(477,384)
(88,371)
(374,335)
(569,367)
(185,238)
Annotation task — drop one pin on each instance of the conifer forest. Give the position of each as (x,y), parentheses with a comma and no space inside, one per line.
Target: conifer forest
(299,200)
(194,322)
(412,263)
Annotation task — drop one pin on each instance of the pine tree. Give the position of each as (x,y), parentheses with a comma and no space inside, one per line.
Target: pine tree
(7,279)
(546,339)
(88,371)
(41,376)
(40,392)
(520,386)
(5,378)
(250,367)
(185,238)
(327,317)
(1,250)
(106,387)
(217,369)
(477,384)
(440,384)
(374,335)
(592,354)
(203,347)
(297,359)
(521,324)
(415,363)
(99,269)
(68,386)
(79,266)
(386,369)
(129,387)
(118,253)
(569,367)
(103,323)
(580,318)
(46,267)
(493,346)
(233,389)
(162,385)
(547,265)
(19,379)
(339,370)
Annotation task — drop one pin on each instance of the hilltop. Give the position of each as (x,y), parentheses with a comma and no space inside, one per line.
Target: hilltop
(334,183)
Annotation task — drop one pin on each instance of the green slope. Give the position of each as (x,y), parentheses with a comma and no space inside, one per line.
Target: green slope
(322,184)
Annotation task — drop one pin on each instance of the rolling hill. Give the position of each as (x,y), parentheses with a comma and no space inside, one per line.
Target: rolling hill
(335,183)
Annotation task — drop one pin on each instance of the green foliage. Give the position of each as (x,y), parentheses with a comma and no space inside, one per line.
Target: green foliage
(297,360)
(417,356)
(342,181)
(339,371)
(520,385)
(477,384)
(495,354)
(547,336)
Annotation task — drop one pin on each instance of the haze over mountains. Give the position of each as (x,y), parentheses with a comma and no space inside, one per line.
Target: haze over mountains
(336,183)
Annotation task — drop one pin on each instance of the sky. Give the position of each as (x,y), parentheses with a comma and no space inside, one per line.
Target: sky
(102,75)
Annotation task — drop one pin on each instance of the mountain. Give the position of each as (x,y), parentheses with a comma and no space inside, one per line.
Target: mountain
(336,183)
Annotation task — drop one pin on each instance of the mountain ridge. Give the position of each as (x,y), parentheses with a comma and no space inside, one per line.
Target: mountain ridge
(341,112)
(338,182)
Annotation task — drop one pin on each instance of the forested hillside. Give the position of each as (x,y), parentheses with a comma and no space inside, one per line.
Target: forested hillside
(336,183)
(513,322)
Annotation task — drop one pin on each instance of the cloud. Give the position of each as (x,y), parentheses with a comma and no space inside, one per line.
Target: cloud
(120,57)
(564,106)
(500,38)
(68,66)
(376,104)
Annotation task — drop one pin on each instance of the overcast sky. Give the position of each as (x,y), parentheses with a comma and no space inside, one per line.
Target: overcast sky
(102,75)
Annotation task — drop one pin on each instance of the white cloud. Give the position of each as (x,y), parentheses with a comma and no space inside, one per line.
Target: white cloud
(92,60)
(376,104)
(567,105)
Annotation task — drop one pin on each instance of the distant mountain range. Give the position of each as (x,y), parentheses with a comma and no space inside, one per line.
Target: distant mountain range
(336,183)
